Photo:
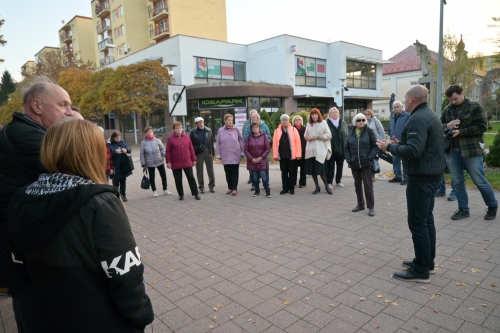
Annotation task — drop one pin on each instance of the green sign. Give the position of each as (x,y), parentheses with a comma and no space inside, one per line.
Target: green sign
(222,103)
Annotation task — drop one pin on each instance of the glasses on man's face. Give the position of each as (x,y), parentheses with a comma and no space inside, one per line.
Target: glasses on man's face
(360,120)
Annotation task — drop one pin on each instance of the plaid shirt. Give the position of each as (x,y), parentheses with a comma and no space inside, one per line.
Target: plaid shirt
(109,160)
(472,126)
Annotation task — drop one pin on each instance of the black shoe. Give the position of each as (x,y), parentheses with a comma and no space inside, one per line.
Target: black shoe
(371,212)
(283,192)
(403,182)
(257,193)
(252,189)
(358,208)
(249,181)
(409,264)
(292,191)
(439,194)
(181,198)
(328,191)
(212,190)
(395,180)
(460,214)
(202,191)
(268,193)
(302,186)
(491,214)
(197,197)
(412,275)
(124,198)
(317,190)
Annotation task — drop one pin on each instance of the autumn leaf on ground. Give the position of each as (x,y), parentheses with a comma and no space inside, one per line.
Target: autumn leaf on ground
(394,303)
(276,303)
(286,302)
(387,301)
(433,297)
(436,310)
(171,250)
(284,288)
(362,298)
(475,270)
(379,296)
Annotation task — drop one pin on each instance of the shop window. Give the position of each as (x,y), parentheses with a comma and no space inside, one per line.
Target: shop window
(157,120)
(360,75)
(310,72)
(128,123)
(109,121)
(217,70)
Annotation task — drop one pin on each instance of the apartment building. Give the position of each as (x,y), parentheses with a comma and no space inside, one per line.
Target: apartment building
(44,51)
(28,68)
(76,40)
(128,26)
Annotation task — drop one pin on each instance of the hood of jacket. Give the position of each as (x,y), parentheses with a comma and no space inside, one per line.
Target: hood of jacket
(39,210)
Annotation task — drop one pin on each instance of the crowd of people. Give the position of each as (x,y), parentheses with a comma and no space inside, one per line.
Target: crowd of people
(85,255)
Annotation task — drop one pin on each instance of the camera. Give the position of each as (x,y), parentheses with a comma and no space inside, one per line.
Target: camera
(448,132)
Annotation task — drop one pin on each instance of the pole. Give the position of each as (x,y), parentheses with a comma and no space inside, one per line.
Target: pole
(135,127)
(343,106)
(439,89)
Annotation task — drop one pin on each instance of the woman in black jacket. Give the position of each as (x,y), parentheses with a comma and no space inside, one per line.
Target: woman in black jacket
(360,150)
(298,123)
(72,240)
(119,150)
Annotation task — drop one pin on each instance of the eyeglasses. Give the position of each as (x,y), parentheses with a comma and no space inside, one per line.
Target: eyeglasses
(360,120)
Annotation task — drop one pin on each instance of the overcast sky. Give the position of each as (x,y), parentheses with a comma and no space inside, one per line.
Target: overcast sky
(387,25)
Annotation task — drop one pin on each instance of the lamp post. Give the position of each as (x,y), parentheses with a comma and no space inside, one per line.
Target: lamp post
(342,92)
(439,88)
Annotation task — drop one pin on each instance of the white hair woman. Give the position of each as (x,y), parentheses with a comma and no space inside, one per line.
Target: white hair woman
(338,128)
(360,150)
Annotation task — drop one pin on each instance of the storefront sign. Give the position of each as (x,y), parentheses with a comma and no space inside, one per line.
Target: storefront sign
(222,103)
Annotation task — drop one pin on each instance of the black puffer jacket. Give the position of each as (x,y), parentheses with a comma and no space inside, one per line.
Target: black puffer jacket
(75,249)
(20,165)
(359,153)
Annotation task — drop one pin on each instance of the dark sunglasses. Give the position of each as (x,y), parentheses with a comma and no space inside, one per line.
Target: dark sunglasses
(360,120)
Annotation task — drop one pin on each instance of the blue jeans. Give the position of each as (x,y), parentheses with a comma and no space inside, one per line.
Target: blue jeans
(442,187)
(420,203)
(397,167)
(474,166)
(255,179)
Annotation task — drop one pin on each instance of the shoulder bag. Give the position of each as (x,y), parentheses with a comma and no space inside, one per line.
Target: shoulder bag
(145,179)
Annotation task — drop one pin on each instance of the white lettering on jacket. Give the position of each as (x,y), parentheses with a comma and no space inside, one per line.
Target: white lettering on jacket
(130,260)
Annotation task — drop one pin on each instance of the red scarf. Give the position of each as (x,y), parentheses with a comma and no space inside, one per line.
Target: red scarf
(298,127)
(150,138)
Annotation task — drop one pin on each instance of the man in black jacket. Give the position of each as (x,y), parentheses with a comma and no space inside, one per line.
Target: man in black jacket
(20,165)
(421,147)
(203,143)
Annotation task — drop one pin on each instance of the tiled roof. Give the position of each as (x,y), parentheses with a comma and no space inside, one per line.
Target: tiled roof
(406,61)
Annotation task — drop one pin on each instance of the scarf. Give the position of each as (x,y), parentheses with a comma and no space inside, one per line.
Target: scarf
(298,127)
(55,182)
(335,122)
(149,138)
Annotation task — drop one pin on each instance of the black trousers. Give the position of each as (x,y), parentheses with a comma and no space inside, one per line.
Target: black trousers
(120,184)
(288,169)
(163,175)
(363,178)
(232,174)
(330,169)
(191,181)
(21,304)
(300,164)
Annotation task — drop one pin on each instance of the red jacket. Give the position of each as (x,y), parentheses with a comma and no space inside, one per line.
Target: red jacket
(180,151)
(257,147)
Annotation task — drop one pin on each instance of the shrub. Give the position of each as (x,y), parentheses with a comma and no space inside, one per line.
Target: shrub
(264,116)
(304,114)
(493,156)
(275,119)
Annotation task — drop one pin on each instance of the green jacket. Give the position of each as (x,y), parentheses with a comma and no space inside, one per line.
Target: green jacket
(472,126)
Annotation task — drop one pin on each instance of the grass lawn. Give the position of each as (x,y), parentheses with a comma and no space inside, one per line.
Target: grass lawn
(495,127)
(492,176)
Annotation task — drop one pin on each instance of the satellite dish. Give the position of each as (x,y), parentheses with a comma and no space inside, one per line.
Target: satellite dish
(62,21)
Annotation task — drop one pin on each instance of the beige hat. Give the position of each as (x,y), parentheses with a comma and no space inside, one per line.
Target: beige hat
(197,119)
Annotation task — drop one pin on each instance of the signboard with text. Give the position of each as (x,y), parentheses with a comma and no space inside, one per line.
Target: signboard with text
(222,103)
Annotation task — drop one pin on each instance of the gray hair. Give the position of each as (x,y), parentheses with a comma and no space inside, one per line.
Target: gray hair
(101,129)
(397,102)
(253,111)
(36,87)
(284,116)
(355,118)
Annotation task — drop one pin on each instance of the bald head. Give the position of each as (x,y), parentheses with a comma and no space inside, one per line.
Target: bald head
(415,96)
(46,103)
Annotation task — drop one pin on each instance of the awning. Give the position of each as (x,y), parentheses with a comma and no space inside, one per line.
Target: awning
(310,96)
(369,59)
(367,97)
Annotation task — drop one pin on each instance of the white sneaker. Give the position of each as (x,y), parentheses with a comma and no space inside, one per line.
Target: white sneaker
(340,185)
(155,194)
(330,187)
(167,192)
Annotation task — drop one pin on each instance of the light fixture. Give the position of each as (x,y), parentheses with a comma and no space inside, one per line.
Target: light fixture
(170,68)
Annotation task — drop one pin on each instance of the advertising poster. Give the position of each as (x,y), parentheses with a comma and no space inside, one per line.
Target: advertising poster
(240,116)
(200,67)
(227,70)
(320,68)
(214,69)
(300,66)
(177,98)
(310,67)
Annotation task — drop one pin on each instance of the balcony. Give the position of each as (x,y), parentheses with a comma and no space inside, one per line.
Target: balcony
(159,12)
(66,37)
(102,9)
(107,60)
(104,44)
(67,50)
(159,32)
(102,26)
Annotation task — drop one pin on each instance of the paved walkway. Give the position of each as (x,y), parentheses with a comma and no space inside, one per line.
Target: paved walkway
(306,263)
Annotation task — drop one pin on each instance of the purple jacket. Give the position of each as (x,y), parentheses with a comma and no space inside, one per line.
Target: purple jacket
(229,145)
(257,147)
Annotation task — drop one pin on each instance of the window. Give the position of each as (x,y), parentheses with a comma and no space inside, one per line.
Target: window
(118,12)
(121,49)
(360,75)
(151,30)
(157,120)
(120,31)
(310,72)
(128,123)
(216,70)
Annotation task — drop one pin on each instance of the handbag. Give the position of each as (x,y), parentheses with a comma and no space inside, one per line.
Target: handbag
(127,165)
(145,179)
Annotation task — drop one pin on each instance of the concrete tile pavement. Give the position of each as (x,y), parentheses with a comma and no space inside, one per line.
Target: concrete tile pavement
(306,263)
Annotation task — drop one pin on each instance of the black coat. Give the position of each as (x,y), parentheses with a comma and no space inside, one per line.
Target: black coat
(20,143)
(359,153)
(339,137)
(118,158)
(81,262)
(302,141)
(208,135)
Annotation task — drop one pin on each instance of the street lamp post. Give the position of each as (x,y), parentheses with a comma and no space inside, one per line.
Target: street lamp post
(342,96)
(439,88)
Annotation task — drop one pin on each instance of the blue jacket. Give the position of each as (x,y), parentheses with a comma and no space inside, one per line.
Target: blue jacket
(117,158)
(263,127)
(396,128)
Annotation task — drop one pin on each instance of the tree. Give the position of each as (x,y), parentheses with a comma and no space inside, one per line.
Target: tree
(496,40)
(7,87)
(15,103)
(493,157)
(90,103)
(275,119)
(304,114)
(140,87)
(2,41)
(264,116)
(76,82)
(51,65)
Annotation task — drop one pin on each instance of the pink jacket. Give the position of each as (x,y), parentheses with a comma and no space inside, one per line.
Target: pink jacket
(257,147)
(180,151)
(295,144)
(229,145)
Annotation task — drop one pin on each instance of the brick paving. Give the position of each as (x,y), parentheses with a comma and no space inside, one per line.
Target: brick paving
(306,263)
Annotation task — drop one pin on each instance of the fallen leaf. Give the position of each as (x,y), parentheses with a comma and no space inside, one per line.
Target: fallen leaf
(154,282)
(168,286)
(219,305)
(435,310)
(472,309)
(483,305)
(311,272)
(379,296)
(493,285)
(215,309)
(387,301)
(363,252)
(362,298)
(477,283)
(475,270)
(276,303)
(214,317)
(433,297)
(332,305)
(423,288)
(171,250)
(307,299)
(231,317)
(284,288)
(394,303)
(341,262)
(376,326)
(211,326)
(386,226)
(286,302)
